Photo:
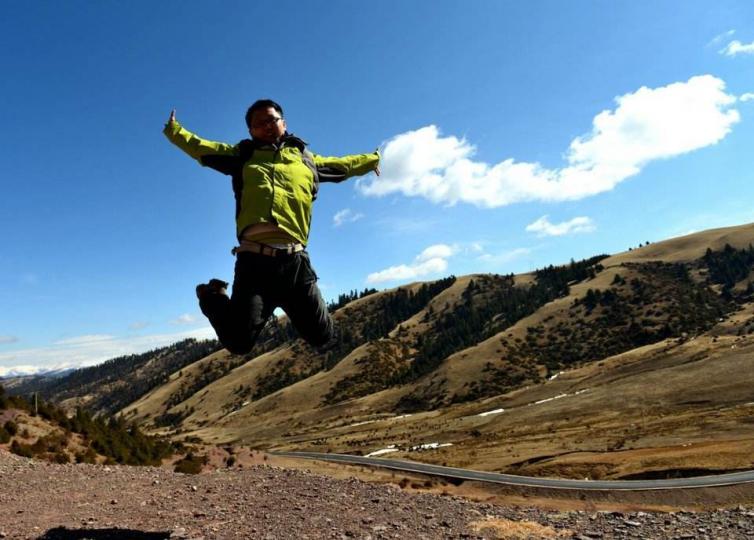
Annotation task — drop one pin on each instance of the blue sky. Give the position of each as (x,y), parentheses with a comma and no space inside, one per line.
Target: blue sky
(515,135)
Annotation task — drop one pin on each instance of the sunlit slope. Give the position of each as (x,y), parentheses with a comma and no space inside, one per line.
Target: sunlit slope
(182,386)
(584,354)
(687,247)
(250,387)
(662,410)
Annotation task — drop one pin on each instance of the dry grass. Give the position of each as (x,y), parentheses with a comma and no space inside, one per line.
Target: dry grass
(677,404)
(516,530)
(688,247)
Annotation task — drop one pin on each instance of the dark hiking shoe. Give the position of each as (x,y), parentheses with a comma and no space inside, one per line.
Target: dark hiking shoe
(332,342)
(215,286)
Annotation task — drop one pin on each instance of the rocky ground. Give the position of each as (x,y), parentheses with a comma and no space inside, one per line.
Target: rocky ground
(40,500)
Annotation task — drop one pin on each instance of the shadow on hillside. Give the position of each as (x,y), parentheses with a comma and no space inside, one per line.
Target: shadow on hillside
(61,533)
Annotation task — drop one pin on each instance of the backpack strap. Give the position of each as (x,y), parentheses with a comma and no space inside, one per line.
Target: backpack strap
(308,158)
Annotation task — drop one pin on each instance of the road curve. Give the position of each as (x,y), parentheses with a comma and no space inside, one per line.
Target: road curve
(530,481)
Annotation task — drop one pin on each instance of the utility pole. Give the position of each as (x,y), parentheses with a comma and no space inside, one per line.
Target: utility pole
(36,405)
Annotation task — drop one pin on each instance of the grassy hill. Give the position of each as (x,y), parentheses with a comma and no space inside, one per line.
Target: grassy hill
(616,366)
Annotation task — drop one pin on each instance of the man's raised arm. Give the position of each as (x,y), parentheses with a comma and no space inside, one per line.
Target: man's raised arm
(195,146)
(337,169)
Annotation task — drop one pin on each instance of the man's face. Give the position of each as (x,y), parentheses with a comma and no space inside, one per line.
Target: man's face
(267,125)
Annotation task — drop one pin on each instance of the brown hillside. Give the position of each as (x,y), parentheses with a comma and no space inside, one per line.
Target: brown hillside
(615,362)
(688,247)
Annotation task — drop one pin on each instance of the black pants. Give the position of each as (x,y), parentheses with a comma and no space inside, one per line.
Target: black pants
(262,283)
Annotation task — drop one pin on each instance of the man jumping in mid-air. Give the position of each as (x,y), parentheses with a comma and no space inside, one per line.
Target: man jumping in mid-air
(275,180)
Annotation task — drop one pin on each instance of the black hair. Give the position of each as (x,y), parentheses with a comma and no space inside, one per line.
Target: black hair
(261,104)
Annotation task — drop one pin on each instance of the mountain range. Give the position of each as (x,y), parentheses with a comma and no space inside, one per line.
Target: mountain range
(33,371)
(632,365)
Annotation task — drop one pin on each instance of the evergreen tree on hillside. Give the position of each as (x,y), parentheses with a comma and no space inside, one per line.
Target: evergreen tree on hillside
(729,265)
(487,308)
(113,438)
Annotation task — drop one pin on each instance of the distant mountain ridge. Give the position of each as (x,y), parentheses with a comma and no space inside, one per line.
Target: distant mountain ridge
(106,387)
(34,371)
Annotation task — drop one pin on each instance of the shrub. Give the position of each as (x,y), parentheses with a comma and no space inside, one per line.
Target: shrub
(190,464)
(61,457)
(21,449)
(88,456)
(11,427)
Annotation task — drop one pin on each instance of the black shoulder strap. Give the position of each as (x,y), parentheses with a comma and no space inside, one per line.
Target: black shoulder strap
(308,158)
(224,164)
(245,150)
(245,153)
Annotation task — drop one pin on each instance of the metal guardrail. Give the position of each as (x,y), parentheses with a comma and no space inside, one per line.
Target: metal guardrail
(530,481)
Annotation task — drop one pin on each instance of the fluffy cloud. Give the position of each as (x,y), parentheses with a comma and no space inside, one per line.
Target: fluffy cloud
(736,47)
(748,96)
(543,227)
(647,125)
(437,251)
(8,339)
(432,260)
(346,216)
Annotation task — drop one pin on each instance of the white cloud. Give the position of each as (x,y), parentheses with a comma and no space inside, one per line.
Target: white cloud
(736,47)
(186,318)
(404,272)
(90,350)
(647,125)
(432,260)
(748,96)
(437,251)
(138,325)
(720,37)
(346,216)
(8,339)
(543,227)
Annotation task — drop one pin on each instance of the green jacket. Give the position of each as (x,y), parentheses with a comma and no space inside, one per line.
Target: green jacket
(274,185)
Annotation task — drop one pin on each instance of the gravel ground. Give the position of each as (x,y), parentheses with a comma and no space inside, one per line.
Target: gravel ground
(40,500)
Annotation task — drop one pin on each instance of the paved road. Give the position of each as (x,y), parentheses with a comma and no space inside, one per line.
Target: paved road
(553,483)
